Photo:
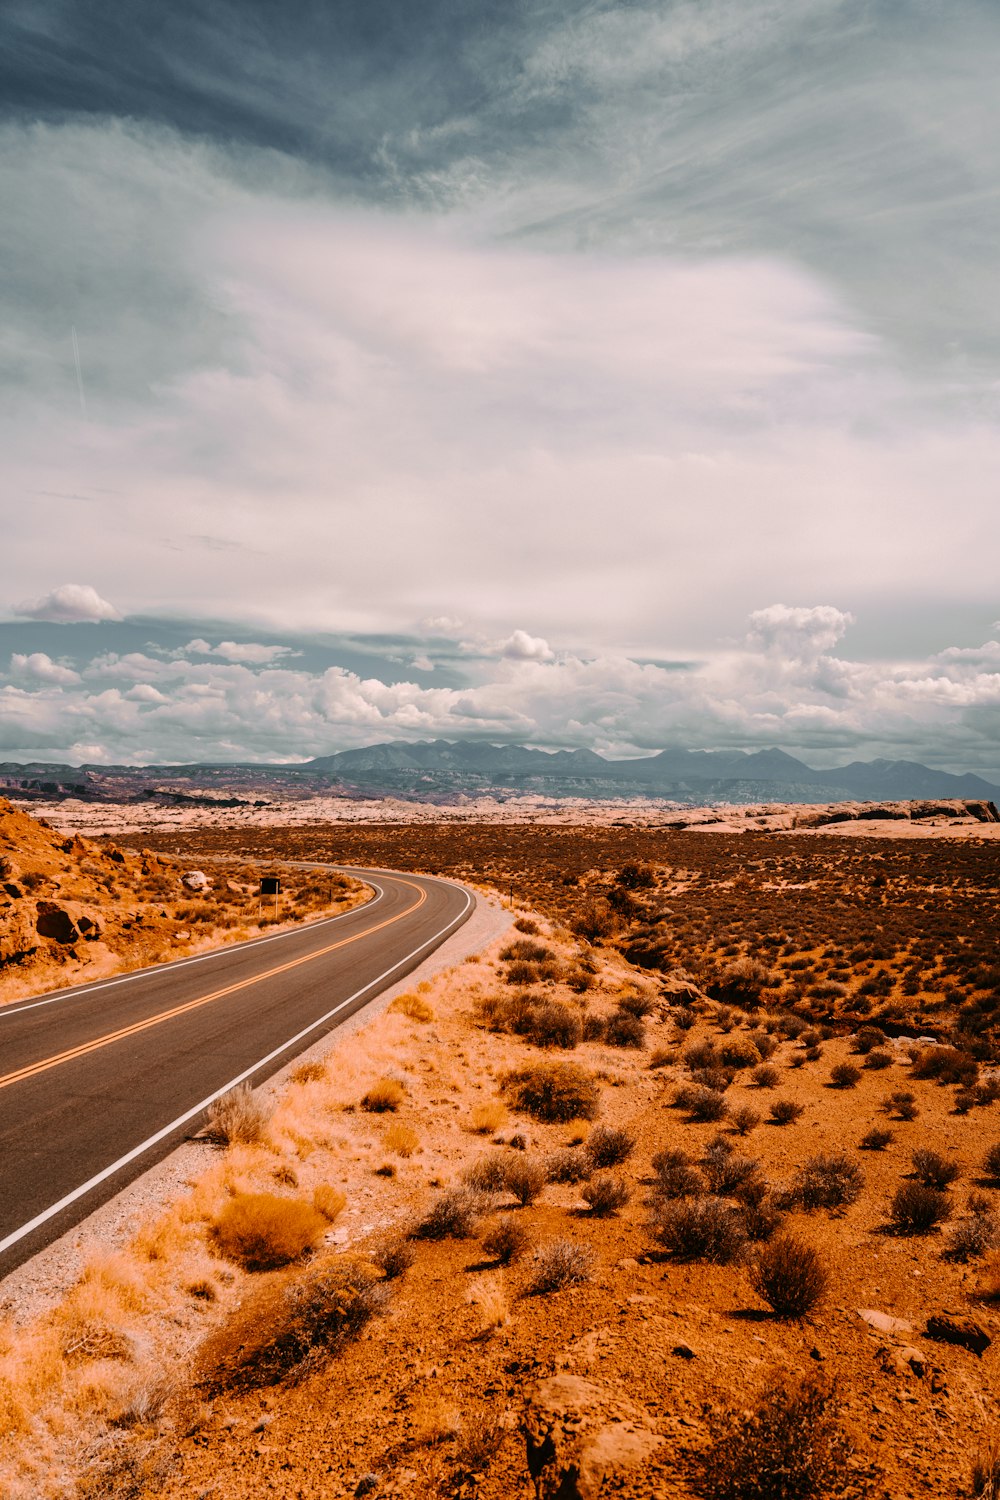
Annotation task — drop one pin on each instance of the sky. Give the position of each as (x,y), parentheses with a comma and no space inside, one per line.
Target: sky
(607,375)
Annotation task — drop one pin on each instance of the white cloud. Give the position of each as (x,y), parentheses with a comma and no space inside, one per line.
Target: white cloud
(944,710)
(523,647)
(42,668)
(243,651)
(71,603)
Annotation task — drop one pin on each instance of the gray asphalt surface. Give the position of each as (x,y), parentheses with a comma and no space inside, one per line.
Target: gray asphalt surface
(100,1081)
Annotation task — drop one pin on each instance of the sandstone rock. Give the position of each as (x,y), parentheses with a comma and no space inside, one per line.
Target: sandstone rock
(579,1435)
(195,880)
(884,1322)
(17,937)
(55,922)
(962,1331)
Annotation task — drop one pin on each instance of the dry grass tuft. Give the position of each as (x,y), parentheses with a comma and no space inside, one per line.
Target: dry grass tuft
(328,1201)
(555,1092)
(261,1231)
(487,1119)
(412,1006)
(400,1140)
(385,1095)
(238,1117)
(309,1072)
(488,1295)
(789,1275)
(559,1264)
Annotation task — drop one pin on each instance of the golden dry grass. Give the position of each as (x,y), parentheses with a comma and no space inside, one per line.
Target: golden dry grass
(400,1139)
(412,1006)
(261,1231)
(328,1201)
(387,1094)
(486,1119)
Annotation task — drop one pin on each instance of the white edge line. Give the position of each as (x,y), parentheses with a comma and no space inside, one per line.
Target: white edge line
(153,1140)
(76,991)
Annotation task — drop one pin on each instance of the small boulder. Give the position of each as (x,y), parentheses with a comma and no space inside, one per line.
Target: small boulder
(195,880)
(55,922)
(962,1331)
(884,1322)
(580,1434)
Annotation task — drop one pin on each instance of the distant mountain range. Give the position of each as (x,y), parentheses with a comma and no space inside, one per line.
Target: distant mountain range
(444,771)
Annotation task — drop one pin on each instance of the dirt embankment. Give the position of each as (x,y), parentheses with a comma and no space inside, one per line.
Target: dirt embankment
(73,909)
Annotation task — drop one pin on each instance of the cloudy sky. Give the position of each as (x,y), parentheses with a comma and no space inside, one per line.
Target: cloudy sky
(599,374)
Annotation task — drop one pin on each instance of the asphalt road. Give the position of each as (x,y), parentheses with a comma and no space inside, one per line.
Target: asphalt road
(100,1081)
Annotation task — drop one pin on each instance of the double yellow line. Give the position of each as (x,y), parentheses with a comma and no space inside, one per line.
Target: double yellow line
(32,1069)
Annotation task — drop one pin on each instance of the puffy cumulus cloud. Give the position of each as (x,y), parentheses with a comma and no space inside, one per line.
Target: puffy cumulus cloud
(943,710)
(71,603)
(251,652)
(797,631)
(520,646)
(42,668)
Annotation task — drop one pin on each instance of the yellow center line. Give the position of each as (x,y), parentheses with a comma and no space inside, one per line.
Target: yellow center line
(179,1010)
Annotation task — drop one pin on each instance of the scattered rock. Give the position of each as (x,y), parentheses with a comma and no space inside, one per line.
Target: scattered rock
(962,1331)
(884,1322)
(683,1351)
(579,1434)
(195,880)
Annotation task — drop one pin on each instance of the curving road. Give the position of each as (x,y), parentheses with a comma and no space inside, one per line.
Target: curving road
(100,1081)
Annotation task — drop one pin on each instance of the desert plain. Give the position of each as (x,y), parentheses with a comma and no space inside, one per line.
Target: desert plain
(678,1176)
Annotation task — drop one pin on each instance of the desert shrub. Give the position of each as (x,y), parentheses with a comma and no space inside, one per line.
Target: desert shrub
(991,1162)
(636,1005)
(792,1446)
(917,1208)
(742,983)
(606,1192)
(760,1213)
(520,972)
(718,1079)
(558,1264)
(593,1028)
(705,1105)
(261,1231)
(526,952)
(414,1007)
(555,1025)
(455,1215)
(764,1042)
(555,1092)
(525,1179)
(877,1059)
(867,1038)
(385,1095)
(965,1100)
(569,1165)
(595,920)
(622,1029)
(238,1117)
(292,1324)
(676,1175)
(608,1147)
(812,1054)
(701,1055)
(901,1103)
(765,1076)
(789,1275)
(945,1065)
(488,1174)
(701,1228)
(726,1171)
(328,1201)
(844,1075)
(507,1241)
(785,1111)
(876,1139)
(973,1235)
(932,1169)
(527,926)
(739,1052)
(579,980)
(744,1119)
(393,1255)
(662,1057)
(684,1020)
(828,1180)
